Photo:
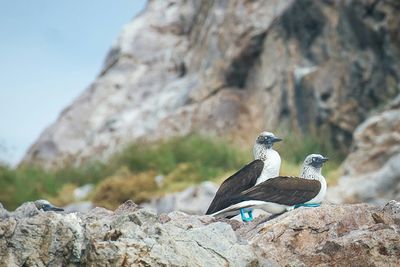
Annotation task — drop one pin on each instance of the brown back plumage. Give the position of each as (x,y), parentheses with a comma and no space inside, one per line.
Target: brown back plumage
(285,190)
(242,180)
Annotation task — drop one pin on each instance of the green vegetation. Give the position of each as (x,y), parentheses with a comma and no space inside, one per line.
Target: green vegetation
(295,148)
(182,162)
(207,156)
(130,173)
(31,183)
(125,185)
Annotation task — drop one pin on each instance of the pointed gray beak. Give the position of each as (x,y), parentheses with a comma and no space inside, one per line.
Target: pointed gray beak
(51,208)
(325,159)
(276,139)
(57,209)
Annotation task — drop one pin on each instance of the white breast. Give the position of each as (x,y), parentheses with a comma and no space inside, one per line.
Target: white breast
(311,173)
(272,165)
(321,195)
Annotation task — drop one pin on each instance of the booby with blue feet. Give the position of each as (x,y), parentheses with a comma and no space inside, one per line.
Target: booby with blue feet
(266,165)
(283,193)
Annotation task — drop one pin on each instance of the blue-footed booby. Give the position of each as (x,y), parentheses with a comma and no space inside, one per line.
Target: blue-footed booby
(279,194)
(266,164)
(44,205)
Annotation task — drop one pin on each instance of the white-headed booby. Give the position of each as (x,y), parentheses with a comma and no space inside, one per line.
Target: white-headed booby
(44,205)
(282,193)
(266,164)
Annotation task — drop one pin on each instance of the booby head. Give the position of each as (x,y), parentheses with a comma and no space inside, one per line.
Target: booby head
(263,150)
(44,205)
(315,160)
(267,139)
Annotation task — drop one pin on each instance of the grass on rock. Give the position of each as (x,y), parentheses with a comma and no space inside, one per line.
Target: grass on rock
(130,173)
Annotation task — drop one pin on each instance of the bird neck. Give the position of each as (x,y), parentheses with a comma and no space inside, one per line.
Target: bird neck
(312,173)
(263,153)
(271,159)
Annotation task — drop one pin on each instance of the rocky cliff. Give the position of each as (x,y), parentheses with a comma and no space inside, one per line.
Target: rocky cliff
(372,169)
(343,235)
(233,68)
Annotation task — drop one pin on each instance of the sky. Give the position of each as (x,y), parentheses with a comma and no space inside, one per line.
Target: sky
(50,51)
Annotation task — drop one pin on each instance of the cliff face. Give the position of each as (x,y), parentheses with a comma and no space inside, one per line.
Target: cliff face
(372,169)
(345,235)
(233,68)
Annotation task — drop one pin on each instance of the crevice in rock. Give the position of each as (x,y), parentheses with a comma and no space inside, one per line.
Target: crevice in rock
(304,22)
(354,31)
(237,73)
(213,251)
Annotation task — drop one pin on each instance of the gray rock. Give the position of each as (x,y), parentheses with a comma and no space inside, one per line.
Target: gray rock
(331,235)
(83,206)
(133,236)
(193,200)
(393,210)
(372,169)
(3,212)
(223,67)
(82,192)
(27,209)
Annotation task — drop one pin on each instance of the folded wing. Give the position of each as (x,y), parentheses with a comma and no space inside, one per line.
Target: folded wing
(285,190)
(242,180)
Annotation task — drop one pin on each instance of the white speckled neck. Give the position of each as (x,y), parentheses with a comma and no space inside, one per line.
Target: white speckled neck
(312,173)
(271,159)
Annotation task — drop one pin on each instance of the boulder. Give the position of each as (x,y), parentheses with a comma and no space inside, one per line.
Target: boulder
(129,236)
(331,235)
(193,200)
(82,206)
(372,169)
(233,68)
(341,235)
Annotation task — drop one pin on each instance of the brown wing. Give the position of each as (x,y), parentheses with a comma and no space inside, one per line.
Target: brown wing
(242,180)
(286,190)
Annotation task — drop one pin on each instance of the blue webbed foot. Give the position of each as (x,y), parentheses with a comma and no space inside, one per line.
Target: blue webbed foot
(309,205)
(249,216)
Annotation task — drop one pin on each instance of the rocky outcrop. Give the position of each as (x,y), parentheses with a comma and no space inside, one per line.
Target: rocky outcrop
(130,236)
(193,200)
(343,235)
(372,169)
(233,68)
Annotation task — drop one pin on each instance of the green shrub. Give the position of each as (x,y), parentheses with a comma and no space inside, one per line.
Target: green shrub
(183,161)
(208,155)
(29,183)
(294,148)
(125,185)
(24,184)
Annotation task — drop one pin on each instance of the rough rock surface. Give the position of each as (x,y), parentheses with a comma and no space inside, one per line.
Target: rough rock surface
(193,200)
(372,169)
(130,236)
(233,68)
(345,235)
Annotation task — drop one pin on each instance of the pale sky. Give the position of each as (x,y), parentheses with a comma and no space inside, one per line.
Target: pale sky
(50,51)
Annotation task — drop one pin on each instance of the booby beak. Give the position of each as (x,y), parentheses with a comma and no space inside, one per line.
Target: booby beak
(276,139)
(51,208)
(324,159)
